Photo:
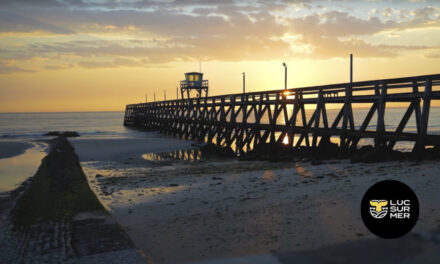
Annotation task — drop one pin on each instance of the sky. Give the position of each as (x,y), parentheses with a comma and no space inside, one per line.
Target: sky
(99,55)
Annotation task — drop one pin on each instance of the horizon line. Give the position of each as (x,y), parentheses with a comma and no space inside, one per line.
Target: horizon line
(113,111)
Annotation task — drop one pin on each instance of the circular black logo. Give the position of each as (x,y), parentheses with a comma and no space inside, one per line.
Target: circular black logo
(390,209)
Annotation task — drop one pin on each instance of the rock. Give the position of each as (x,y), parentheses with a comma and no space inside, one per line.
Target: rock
(52,134)
(432,153)
(65,133)
(326,150)
(70,134)
(213,150)
(357,155)
(316,162)
(273,152)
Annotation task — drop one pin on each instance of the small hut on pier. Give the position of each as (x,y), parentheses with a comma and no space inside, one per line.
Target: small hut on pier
(194,83)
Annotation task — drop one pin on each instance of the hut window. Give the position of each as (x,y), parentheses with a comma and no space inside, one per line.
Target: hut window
(196,77)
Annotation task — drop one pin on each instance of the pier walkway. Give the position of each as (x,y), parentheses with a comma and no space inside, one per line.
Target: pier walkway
(242,121)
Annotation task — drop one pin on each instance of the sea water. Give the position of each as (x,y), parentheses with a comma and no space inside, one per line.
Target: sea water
(110,124)
(30,127)
(87,124)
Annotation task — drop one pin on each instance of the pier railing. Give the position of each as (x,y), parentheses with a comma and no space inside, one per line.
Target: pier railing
(243,121)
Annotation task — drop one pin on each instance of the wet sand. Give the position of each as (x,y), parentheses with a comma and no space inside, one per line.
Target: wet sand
(124,149)
(13,148)
(179,212)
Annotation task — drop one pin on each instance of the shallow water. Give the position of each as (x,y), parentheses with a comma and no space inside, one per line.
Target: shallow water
(28,127)
(192,154)
(15,170)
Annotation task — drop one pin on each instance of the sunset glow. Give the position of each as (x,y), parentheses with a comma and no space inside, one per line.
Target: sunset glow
(99,55)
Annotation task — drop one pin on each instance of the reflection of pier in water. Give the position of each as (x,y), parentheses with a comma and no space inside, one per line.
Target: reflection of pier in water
(242,121)
(183,154)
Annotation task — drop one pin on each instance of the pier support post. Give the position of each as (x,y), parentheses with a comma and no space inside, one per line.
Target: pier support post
(380,126)
(424,120)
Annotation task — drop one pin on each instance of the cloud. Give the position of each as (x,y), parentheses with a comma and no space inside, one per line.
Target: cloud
(96,34)
(118,62)
(8,67)
(433,55)
(61,66)
(13,21)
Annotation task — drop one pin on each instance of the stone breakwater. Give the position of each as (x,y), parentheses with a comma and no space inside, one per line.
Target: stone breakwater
(56,218)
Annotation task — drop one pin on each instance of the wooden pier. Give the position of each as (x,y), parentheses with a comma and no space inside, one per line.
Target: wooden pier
(242,121)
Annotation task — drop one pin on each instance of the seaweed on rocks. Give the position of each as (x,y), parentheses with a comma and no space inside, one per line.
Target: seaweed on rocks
(65,134)
(59,213)
(211,150)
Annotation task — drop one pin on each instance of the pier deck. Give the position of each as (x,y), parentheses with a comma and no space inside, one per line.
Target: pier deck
(242,121)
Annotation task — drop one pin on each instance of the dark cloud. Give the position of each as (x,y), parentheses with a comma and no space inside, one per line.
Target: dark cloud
(13,21)
(337,24)
(31,3)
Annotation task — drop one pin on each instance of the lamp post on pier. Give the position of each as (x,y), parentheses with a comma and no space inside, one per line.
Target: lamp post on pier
(351,68)
(285,75)
(244,82)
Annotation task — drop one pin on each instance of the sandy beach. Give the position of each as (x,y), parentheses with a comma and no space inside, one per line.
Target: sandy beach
(182,211)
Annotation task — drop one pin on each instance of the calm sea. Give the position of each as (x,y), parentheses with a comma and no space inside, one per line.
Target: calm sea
(87,124)
(110,124)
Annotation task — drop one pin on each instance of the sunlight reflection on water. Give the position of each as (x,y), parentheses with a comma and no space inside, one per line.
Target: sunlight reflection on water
(15,170)
(183,154)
